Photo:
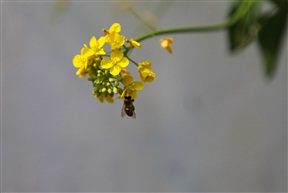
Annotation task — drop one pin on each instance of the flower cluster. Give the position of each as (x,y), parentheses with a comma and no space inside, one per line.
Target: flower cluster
(106,68)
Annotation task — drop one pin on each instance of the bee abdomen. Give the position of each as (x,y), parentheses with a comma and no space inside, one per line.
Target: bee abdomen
(129,112)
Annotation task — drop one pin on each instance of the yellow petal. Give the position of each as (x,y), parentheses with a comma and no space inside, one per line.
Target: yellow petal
(101,52)
(146,64)
(81,73)
(109,99)
(93,42)
(137,85)
(146,74)
(100,98)
(116,55)
(115,40)
(106,63)
(125,72)
(115,70)
(101,41)
(78,61)
(133,95)
(166,44)
(127,80)
(115,27)
(123,63)
(86,52)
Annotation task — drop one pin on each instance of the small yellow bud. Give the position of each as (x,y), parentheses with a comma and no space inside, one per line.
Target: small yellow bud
(134,43)
(115,90)
(166,44)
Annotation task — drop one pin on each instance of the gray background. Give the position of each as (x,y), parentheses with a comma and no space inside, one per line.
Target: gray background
(209,122)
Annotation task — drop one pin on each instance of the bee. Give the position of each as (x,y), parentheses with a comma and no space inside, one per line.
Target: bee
(128,107)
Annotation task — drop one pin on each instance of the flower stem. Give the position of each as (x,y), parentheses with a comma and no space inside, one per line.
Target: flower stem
(132,61)
(183,30)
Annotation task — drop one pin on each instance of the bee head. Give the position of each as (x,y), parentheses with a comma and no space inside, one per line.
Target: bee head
(127,97)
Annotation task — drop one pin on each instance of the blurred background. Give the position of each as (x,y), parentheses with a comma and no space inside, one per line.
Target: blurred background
(210,122)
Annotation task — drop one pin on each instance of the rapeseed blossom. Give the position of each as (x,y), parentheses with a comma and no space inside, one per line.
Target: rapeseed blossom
(106,66)
(131,87)
(116,62)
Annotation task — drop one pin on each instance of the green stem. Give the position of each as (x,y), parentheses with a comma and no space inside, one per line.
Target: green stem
(183,30)
(132,61)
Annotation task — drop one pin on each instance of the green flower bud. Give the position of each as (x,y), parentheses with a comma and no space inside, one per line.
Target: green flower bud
(109,90)
(97,81)
(103,90)
(116,83)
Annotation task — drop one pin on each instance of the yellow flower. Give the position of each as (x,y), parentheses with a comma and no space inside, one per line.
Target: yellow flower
(116,62)
(166,44)
(96,46)
(146,75)
(81,61)
(115,40)
(131,87)
(134,43)
(115,27)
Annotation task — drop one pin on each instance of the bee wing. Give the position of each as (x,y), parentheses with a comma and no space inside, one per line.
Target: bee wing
(134,115)
(123,113)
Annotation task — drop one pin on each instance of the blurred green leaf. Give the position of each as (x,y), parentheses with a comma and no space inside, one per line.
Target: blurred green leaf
(279,3)
(270,37)
(245,29)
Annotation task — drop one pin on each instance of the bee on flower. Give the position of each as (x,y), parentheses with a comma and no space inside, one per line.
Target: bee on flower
(107,68)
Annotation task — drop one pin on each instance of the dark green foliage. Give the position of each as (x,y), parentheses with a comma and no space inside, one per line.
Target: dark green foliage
(268,28)
(271,36)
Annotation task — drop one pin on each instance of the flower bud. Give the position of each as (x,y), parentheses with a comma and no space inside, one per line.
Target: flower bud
(115,90)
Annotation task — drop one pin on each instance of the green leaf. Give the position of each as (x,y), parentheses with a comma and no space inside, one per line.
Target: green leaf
(270,37)
(242,32)
(279,3)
